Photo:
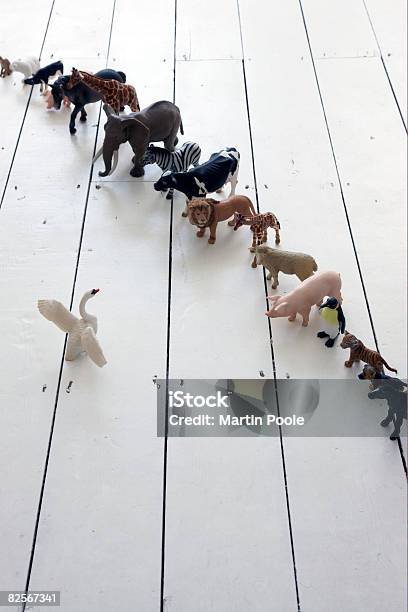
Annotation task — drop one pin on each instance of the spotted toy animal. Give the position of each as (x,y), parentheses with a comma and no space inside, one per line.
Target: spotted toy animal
(359,352)
(259,224)
(116,94)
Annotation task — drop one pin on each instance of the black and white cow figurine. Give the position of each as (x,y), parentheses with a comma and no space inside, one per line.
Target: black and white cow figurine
(212,175)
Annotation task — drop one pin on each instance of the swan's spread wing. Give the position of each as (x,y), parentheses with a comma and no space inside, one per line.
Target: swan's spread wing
(91,345)
(57,313)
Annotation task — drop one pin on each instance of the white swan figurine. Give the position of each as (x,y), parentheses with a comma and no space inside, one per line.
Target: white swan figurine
(81,332)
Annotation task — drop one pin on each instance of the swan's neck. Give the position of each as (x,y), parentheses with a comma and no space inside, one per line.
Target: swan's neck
(85,315)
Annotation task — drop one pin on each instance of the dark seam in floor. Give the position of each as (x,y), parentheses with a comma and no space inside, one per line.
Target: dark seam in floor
(282,450)
(166,424)
(385,66)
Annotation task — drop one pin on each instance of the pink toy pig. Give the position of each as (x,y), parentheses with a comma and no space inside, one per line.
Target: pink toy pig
(300,300)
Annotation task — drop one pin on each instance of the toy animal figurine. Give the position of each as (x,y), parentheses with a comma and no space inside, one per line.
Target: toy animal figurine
(51,103)
(376,378)
(359,352)
(259,227)
(301,299)
(288,262)
(81,332)
(179,160)
(159,121)
(6,69)
(206,212)
(212,175)
(43,74)
(332,313)
(395,392)
(80,95)
(27,67)
(112,92)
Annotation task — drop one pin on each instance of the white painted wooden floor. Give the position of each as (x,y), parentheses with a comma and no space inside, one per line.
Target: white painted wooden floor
(92,503)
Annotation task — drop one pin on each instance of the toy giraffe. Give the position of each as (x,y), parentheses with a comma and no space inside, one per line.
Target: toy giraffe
(116,94)
(259,227)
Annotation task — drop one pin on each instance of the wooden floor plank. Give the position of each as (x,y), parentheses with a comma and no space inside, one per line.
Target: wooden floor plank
(200,36)
(348,504)
(346,34)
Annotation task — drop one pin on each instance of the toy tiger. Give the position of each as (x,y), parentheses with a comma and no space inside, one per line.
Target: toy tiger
(359,352)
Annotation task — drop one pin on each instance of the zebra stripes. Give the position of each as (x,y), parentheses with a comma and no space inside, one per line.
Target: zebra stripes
(176,161)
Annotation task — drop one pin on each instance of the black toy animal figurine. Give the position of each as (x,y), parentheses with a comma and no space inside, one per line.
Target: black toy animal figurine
(395,392)
(81,94)
(159,121)
(43,74)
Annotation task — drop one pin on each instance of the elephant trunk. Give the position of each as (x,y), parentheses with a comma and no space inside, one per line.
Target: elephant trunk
(108,152)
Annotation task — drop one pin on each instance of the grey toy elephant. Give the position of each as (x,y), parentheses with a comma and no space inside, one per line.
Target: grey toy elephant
(158,122)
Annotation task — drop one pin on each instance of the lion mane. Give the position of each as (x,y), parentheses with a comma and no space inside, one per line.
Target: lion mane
(201,212)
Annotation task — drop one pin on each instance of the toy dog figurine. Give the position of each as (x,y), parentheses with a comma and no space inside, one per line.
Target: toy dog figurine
(371,374)
(206,212)
(6,69)
(395,392)
(301,299)
(359,352)
(258,225)
(288,262)
(43,74)
(332,313)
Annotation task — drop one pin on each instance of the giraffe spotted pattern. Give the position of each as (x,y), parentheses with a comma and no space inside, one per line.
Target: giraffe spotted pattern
(114,93)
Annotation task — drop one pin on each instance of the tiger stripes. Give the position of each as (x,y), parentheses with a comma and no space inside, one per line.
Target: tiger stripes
(359,352)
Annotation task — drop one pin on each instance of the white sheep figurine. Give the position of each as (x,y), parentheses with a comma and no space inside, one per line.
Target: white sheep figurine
(27,67)
(288,262)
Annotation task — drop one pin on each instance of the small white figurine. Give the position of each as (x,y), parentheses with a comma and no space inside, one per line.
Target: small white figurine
(81,332)
(27,67)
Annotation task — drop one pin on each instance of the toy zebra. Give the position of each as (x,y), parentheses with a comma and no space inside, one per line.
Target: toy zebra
(259,227)
(177,161)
